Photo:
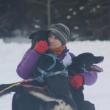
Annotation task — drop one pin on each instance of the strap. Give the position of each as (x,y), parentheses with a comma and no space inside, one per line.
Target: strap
(54,61)
(41,77)
(63,72)
(9,87)
(45,74)
(48,74)
(42,71)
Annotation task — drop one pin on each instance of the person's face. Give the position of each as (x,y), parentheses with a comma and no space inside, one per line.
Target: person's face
(54,42)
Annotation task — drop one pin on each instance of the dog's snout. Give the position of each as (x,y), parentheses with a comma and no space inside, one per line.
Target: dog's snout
(99,59)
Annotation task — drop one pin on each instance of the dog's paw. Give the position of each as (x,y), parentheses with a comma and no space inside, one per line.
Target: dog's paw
(62,106)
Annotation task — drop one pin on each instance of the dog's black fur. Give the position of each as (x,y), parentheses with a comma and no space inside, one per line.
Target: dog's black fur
(58,87)
(80,64)
(83,62)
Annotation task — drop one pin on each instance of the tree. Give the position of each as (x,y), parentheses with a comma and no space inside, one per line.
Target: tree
(89,19)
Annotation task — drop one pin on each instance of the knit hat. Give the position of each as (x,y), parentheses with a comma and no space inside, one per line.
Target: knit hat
(61,31)
(37,36)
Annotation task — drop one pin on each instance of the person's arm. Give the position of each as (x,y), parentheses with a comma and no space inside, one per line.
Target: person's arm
(86,78)
(90,77)
(29,62)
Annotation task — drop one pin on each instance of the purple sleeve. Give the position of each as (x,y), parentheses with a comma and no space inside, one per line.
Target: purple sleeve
(89,77)
(28,64)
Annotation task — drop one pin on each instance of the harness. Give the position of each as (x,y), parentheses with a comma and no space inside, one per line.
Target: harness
(48,72)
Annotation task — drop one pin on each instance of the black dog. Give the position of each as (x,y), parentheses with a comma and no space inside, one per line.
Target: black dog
(83,63)
(55,78)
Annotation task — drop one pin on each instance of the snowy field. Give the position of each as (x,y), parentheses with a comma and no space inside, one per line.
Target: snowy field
(99,93)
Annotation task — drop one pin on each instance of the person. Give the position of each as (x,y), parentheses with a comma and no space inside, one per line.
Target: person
(56,37)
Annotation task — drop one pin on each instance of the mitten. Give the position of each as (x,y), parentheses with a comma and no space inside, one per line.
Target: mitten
(76,81)
(41,46)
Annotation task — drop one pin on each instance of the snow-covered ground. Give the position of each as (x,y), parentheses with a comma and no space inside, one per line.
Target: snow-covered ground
(99,93)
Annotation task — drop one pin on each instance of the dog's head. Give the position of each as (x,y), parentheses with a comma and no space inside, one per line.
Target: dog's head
(87,62)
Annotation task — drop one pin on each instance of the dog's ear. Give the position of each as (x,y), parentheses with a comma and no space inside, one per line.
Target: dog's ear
(85,56)
(90,57)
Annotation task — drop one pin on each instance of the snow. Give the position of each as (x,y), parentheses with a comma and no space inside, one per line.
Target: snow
(68,17)
(74,13)
(99,93)
(81,8)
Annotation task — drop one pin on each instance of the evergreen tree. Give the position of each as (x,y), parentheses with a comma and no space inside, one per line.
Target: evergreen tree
(89,19)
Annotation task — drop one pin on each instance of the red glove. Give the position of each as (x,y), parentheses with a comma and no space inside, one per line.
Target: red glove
(41,46)
(76,81)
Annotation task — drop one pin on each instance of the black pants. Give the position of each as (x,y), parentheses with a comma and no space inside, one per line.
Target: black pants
(86,105)
(78,96)
(25,102)
(22,100)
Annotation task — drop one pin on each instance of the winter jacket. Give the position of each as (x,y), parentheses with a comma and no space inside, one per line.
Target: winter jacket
(28,64)
(89,77)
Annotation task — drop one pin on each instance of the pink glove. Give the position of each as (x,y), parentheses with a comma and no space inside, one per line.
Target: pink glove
(76,81)
(41,46)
